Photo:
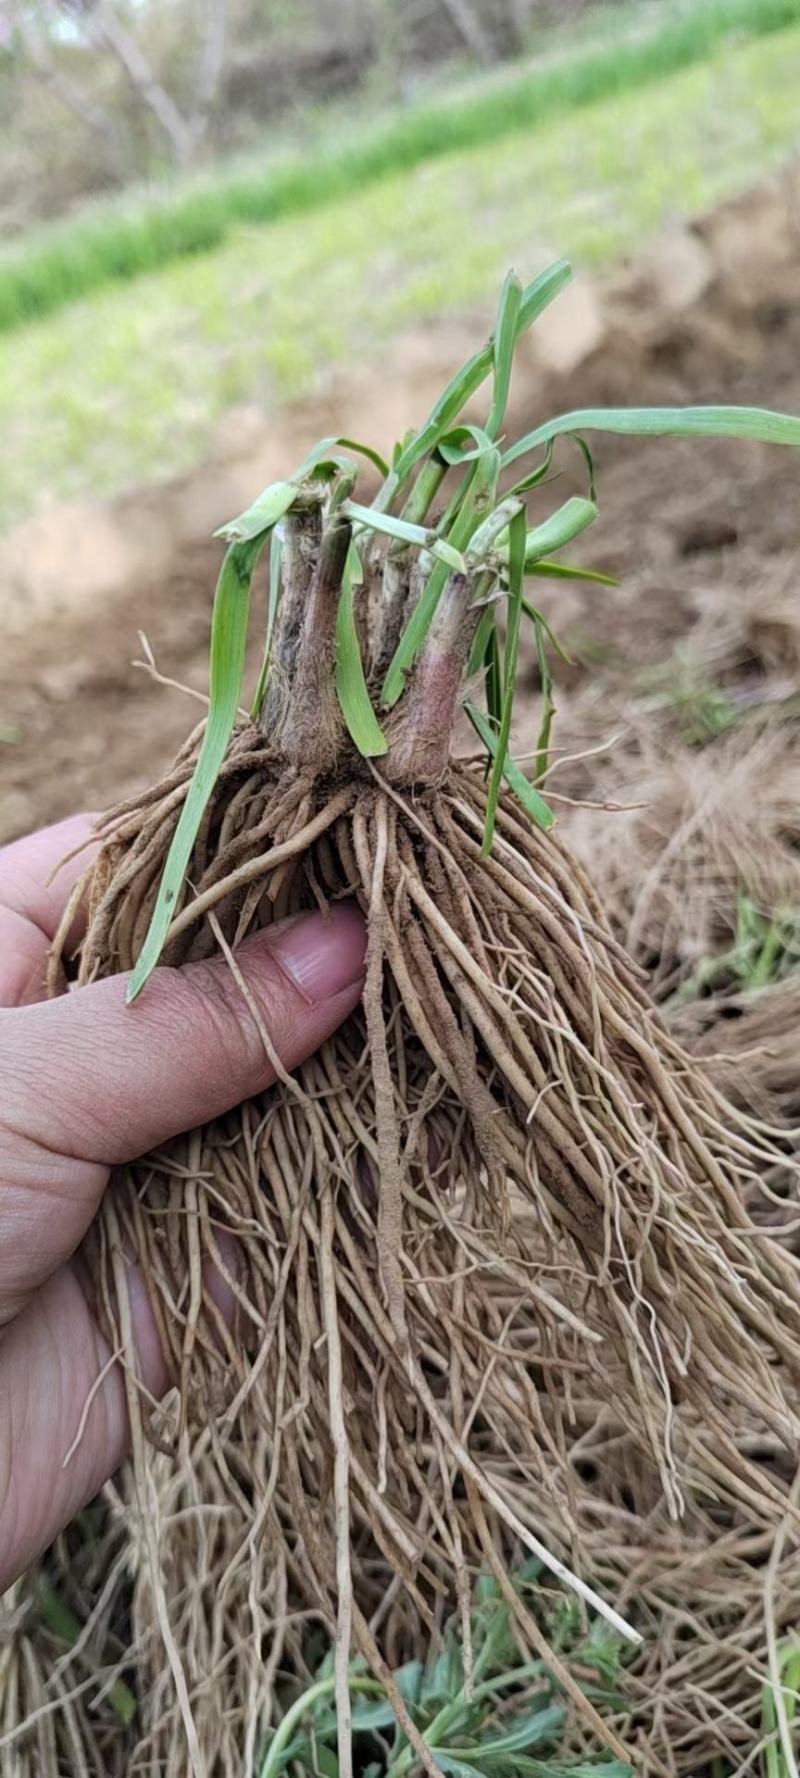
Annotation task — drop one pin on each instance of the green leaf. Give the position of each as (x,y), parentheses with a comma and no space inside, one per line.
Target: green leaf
(563,525)
(526,793)
(228,638)
(479,499)
(542,754)
(485,652)
(371,1714)
(565,571)
(454,398)
(408,1680)
(661,422)
(516,571)
(275,557)
(524,1730)
(405,532)
(480,640)
(537,617)
(324,1760)
(452,446)
(535,476)
(262,515)
(492,528)
(324,451)
(455,1767)
(505,339)
(351,684)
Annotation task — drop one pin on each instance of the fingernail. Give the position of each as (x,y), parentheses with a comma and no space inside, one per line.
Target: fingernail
(323,953)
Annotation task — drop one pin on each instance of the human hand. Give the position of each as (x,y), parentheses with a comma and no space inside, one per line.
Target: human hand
(88,1082)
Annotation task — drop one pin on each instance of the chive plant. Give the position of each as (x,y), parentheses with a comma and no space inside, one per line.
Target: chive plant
(500,1199)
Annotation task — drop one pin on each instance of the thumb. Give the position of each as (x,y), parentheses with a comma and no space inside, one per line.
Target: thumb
(90,1081)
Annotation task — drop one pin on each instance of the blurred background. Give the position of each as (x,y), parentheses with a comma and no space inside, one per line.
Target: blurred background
(230,226)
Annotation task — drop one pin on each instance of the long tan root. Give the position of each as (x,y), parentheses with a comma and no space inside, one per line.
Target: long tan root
(493,1235)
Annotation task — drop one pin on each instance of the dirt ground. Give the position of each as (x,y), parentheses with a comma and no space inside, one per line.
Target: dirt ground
(686,528)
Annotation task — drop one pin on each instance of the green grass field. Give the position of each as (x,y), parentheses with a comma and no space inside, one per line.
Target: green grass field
(126,237)
(126,383)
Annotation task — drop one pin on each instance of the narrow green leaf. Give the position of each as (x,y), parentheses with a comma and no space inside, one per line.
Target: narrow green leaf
(453,1766)
(351,685)
(505,339)
(542,754)
(537,475)
(525,792)
(480,641)
(390,526)
(480,497)
(228,637)
(325,450)
(559,529)
(524,1731)
(275,555)
(262,515)
(493,678)
(324,1760)
(425,490)
(468,379)
(452,446)
(537,617)
(516,572)
(659,422)
(589,462)
(492,528)
(565,571)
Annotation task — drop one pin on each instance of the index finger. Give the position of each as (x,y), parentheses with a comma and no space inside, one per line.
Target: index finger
(36,880)
(28,865)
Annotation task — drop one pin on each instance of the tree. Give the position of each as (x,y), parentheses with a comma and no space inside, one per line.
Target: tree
(39,31)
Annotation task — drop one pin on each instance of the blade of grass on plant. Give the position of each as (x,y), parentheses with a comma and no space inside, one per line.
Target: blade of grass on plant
(516,575)
(453,447)
(537,616)
(555,532)
(404,532)
(351,685)
(228,638)
(525,792)
(275,557)
(477,503)
(467,380)
(541,758)
(485,653)
(659,422)
(326,447)
(265,512)
(565,571)
(505,339)
(492,528)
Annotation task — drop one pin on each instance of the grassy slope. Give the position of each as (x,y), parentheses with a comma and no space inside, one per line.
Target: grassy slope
(125,383)
(123,239)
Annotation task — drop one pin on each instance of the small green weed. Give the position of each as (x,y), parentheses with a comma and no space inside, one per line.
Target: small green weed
(765,949)
(504,1718)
